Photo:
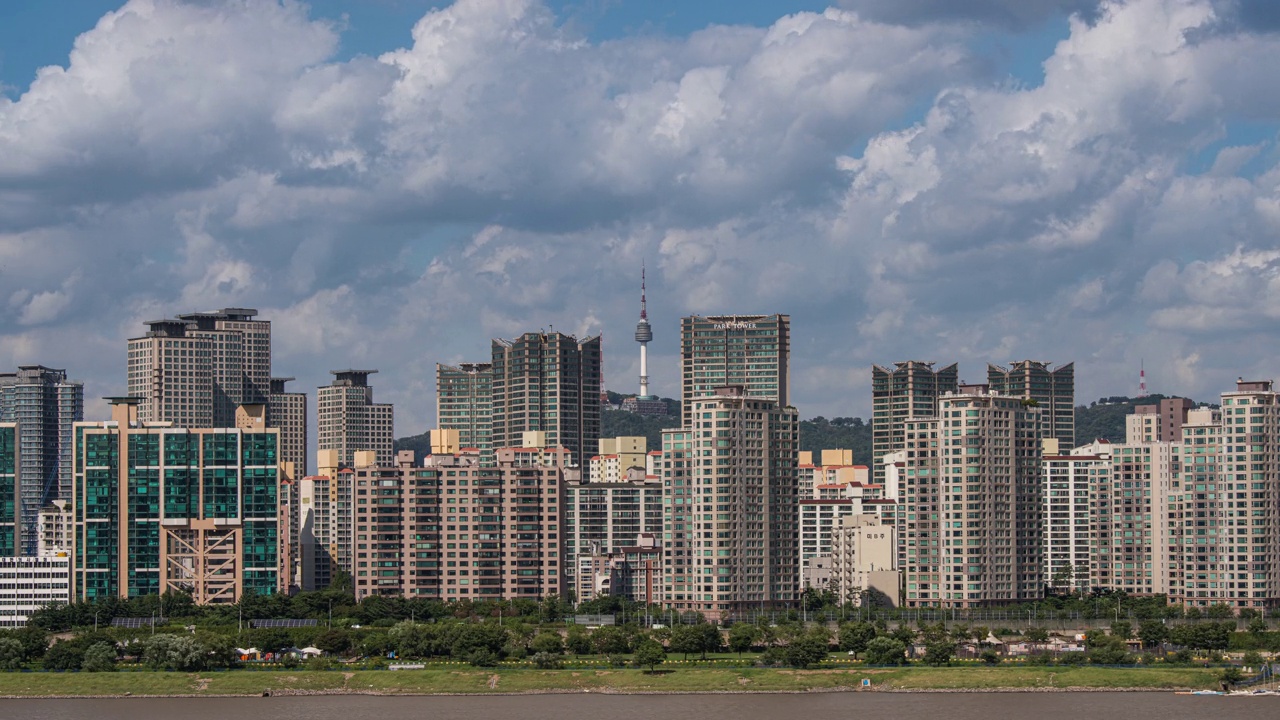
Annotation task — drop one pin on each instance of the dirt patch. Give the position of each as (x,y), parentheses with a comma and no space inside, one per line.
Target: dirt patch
(202,684)
(744,681)
(493,682)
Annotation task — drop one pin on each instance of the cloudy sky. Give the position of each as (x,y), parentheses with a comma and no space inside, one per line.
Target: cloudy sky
(395,182)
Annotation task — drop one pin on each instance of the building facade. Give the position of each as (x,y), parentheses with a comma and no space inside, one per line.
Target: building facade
(609,516)
(1069,483)
(30,583)
(731,535)
(864,558)
(160,509)
(459,530)
(10,492)
(750,351)
(287,412)
(45,406)
(195,370)
(907,390)
(464,402)
(973,529)
(1052,389)
(349,421)
(550,383)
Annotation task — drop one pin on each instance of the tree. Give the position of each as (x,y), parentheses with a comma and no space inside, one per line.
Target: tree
(334,642)
(1122,629)
(64,655)
(100,657)
(341,582)
(904,634)
(548,642)
(886,651)
(650,654)
(854,636)
(11,655)
(685,641)
(1107,650)
(808,649)
(1257,627)
(1231,676)
(939,652)
(579,641)
(742,637)
(1152,633)
(552,609)
(175,652)
(990,656)
(1220,611)
(1037,635)
(610,640)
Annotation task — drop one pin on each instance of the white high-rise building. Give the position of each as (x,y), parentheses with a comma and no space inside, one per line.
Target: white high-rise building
(1069,480)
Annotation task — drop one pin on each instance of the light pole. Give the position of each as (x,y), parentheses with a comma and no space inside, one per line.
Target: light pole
(331,614)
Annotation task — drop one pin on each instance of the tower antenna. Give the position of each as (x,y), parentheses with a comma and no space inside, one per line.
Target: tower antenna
(644,333)
(1142,378)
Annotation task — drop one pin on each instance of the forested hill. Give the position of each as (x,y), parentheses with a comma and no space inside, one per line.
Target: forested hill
(1102,419)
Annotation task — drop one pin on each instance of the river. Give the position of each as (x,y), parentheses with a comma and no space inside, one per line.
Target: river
(816,706)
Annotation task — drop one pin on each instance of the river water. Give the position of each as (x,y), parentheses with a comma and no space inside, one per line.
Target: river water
(818,706)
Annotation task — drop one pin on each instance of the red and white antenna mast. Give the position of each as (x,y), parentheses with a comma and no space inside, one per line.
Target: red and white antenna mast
(1142,378)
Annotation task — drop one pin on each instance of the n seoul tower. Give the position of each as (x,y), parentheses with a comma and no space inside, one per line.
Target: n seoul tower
(644,334)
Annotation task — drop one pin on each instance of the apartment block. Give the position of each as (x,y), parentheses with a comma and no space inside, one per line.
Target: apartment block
(45,405)
(287,412)
(1069,482)
(864,559)
(907,390)
(1130,520)
(160,509)
(56,527)
(973,528)
(1250,501)
(833,468)
(1161,422)
(620,459)
(455,529)
(547,382)
(731,532)
(817,520)
(748,351)
(350,421)
(195,370)
(1052,389)
(464,402)
(633,572)
(609,516)
(1197,523)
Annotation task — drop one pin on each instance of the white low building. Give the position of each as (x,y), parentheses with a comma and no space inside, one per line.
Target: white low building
(28,584)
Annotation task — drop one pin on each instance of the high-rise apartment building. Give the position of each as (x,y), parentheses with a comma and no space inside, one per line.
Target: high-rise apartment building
(972,532)
(194,371)
(350,421)
(1130,520)
(1250,501)
(909,390)
(164,509)
(464,402)
(547,382)
(45,406)
(457,530)
(1070,481)
(731,531)
(287,412)
(1052,389)
(10,492)
(1161,422)
(1197,523)
(748,351)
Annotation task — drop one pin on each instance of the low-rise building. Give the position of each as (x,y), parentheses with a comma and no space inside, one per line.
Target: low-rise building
(864,558)
(28,584)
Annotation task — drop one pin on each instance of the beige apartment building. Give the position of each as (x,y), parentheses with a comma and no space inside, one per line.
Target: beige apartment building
(833,467)
(454,529)
(1053,389)
(195,370)
(864,554)
(731,532)
(547,382)
(350,421)
(620,459)
(972,494)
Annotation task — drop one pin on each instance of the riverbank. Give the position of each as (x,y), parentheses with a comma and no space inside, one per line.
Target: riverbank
(470,681)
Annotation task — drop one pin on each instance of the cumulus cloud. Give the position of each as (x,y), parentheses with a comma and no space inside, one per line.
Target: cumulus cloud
(503,172)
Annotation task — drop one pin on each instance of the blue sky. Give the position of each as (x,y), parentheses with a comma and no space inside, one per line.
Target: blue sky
(902,176)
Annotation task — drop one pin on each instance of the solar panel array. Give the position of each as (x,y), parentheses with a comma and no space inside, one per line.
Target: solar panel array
(285,623)
(137,622)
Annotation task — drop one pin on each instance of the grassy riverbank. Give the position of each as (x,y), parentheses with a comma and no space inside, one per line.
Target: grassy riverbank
(469,680)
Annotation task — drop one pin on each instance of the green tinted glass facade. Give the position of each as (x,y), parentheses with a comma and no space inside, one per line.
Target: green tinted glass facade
(8,490)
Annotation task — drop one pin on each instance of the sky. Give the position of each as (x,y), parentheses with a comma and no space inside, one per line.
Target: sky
(395,182)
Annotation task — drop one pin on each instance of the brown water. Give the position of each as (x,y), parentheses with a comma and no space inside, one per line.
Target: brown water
(820,706)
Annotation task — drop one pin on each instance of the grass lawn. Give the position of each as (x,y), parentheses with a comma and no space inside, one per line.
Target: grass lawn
(465,679)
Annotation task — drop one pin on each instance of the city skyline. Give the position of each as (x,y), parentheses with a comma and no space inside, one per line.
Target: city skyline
(856,167)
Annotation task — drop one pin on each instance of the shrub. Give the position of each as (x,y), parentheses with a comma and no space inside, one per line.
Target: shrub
(650,654)
(886,651)
(482,657)
(100,657)
(548,661)
(11,655)
(548,642)
(991,657)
